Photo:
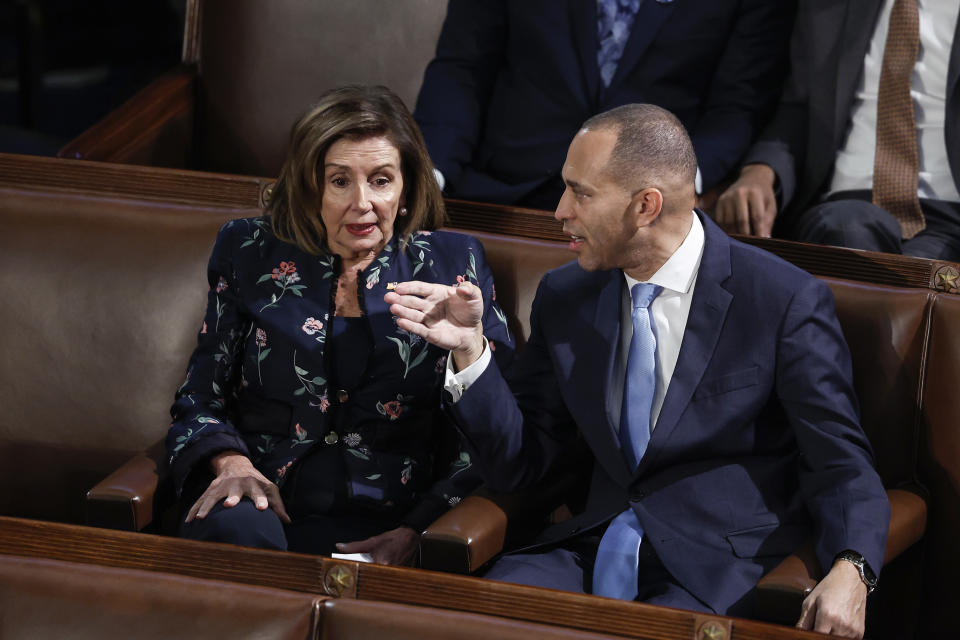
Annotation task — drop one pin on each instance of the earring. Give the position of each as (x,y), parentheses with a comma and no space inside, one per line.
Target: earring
(403,211)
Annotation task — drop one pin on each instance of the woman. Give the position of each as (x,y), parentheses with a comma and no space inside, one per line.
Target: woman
(308,419)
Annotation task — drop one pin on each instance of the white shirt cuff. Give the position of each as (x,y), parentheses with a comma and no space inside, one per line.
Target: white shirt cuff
(697,183)
(457,382)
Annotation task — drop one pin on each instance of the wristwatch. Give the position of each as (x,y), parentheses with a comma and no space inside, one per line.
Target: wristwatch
(867,575)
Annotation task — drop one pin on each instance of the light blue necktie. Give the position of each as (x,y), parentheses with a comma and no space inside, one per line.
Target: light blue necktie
(618,556)
(614,20)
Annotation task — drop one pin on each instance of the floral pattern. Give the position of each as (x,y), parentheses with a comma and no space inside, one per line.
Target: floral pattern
(313,327)
(285,276)
(264,345)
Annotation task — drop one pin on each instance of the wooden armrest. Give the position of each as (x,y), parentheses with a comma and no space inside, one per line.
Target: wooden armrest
(464,538)
(154,127)
(125,499)
(781,592)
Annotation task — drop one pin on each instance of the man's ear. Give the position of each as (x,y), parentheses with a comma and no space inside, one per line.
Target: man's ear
(646,205)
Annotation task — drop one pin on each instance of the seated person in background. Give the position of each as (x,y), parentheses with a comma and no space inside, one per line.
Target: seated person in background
(720,410)
(512,81)
(868,135)
(308,417)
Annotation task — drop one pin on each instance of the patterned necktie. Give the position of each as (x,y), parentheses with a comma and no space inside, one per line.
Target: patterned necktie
(618,556)
(895,163)
(614,20)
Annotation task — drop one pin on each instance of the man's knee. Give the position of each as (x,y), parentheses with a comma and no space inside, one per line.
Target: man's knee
(243,525)
(857,224)
(555,569)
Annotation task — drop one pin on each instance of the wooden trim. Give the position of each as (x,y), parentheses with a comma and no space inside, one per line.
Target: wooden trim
(138,121)
(836,262)
(191,33)
(416,587)
(101,179)
(230,190)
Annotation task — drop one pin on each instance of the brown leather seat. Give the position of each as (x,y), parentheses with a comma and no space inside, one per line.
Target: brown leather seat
(103,299)
(250,68)
(365,620)
(42,598)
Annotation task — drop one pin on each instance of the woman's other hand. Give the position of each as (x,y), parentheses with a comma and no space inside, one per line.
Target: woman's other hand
(396,546)
(236,477)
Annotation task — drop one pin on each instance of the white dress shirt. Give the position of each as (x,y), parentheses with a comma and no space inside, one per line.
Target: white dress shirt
(670,309)
(928,88)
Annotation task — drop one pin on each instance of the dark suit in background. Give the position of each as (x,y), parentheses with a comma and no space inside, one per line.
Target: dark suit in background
(830,41)
(513,81)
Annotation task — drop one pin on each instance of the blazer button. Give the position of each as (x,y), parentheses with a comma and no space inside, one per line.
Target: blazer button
(342,396)
(331,438)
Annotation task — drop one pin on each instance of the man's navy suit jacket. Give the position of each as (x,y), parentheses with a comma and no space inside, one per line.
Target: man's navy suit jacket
(513,81)
(757,447)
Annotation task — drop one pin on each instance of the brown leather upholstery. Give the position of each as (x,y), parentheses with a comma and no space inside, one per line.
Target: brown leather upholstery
(42,598)
(102,300)
(517,265)
(254,67)
(362,620)
(885,328)
(940,469)
(276,58)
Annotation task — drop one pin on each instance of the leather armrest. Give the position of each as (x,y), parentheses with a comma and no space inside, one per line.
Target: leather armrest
(483,524)
(464,538)
(781,592)
(154,127)
(125,499)
(908,521)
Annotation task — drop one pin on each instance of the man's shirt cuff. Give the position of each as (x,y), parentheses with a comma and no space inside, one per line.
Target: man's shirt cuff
(457,382)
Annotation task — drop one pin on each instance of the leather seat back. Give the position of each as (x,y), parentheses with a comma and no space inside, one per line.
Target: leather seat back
(103,299)
(262,64)
(518,264)
(365,620)
(886,330)
(940,466)
(42,598)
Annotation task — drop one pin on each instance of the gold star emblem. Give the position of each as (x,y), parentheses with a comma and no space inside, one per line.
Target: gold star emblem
(946,279)
(712,631)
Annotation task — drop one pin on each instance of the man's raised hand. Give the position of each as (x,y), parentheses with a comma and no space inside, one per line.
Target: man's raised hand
(450,317)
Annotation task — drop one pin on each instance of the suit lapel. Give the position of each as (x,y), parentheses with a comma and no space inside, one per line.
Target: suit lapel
(708,310)
(650,17)
(952,115)
(583,24)
(953,71)
(590,379)
(851,49)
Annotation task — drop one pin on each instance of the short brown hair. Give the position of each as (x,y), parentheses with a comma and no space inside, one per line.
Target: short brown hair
(355,112)
(652,144)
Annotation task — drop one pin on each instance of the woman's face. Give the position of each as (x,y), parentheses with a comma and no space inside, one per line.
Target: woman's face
(362,192)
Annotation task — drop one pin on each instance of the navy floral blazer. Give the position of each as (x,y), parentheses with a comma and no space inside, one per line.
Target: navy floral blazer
(257,381)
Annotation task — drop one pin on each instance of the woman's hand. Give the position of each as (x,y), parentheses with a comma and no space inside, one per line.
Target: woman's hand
(396,546)
(236,478)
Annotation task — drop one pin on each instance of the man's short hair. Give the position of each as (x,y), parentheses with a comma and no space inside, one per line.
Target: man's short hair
(652,146)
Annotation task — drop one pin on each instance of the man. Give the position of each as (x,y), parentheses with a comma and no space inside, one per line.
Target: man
(512,82)
(870,122)
(721,415)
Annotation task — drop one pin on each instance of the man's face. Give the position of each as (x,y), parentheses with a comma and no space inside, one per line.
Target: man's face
(594,207)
